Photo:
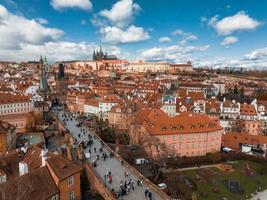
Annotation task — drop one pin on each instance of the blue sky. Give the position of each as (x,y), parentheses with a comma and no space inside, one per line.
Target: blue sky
(207,32)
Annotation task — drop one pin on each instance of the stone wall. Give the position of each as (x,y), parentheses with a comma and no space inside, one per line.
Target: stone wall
(96,183)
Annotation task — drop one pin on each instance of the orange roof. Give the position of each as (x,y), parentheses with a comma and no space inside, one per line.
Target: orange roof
(247,109)
(91,102)
(158,122)
(7,98)
(233,140)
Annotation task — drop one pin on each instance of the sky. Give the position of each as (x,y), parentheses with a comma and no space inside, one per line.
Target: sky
(213,33)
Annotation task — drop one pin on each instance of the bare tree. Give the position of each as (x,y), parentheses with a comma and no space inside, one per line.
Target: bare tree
(100,124)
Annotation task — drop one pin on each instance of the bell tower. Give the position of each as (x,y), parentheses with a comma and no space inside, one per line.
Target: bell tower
(61,84)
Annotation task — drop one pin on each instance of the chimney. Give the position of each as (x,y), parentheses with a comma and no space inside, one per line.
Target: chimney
(23,168)
(44,156)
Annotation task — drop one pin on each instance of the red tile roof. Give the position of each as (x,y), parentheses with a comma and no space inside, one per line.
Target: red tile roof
(158,122)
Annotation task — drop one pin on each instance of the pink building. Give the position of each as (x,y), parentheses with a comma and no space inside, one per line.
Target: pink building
(187,134)
(119,117)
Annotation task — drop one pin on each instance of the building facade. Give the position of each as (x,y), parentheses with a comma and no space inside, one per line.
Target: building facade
(187,134)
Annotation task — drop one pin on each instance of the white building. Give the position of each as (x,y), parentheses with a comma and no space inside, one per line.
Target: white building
(230,111)
(148,66)
(103,106)
(14,104)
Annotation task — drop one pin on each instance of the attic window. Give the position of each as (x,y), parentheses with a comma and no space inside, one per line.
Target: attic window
(174,128)
(163,128)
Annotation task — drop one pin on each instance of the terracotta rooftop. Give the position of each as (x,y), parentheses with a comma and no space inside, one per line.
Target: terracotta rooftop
(38,184)
(7,98)
(247,109)
(62,167)
(233,140)
(158,122)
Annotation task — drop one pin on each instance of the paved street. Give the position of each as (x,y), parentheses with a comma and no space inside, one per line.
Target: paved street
(110,164)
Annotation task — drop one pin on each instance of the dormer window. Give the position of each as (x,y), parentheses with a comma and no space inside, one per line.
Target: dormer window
(174,128)
(163,128)
(70,181)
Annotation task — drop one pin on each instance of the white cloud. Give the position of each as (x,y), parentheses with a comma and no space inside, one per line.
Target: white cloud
(165,39)
(121,13)
(238,22)
(57,51)
(179,32)
(27,39)
(257,54)
(17,31)
(186,37)
(115,25)
(173,53)
(63,4)
(229,40)
(42,21)
(230,62)
(115,35)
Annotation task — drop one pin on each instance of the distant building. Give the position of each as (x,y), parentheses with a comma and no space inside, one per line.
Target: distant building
(144,67)
(120,116)
(17,110)
(169,105)
(61,84)
(99,55)
(176,68)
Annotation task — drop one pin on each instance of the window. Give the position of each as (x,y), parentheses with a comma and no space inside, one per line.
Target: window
(174,137)
(70,181)
(55,197)
(71,195)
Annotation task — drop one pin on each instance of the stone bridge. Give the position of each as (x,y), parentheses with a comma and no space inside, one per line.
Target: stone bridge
(96,174)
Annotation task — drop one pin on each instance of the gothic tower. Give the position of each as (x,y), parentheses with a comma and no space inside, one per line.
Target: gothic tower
(61,84)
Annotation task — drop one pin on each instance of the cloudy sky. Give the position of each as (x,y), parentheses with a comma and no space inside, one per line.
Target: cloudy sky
(208,32)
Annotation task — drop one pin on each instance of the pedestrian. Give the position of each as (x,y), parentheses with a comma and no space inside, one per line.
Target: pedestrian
(150,195)
(110,179)
(146,192)
(133,186)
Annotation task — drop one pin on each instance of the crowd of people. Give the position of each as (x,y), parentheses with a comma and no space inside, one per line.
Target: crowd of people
(96,154)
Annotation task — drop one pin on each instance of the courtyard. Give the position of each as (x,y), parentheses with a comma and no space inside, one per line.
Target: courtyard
(234,181)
